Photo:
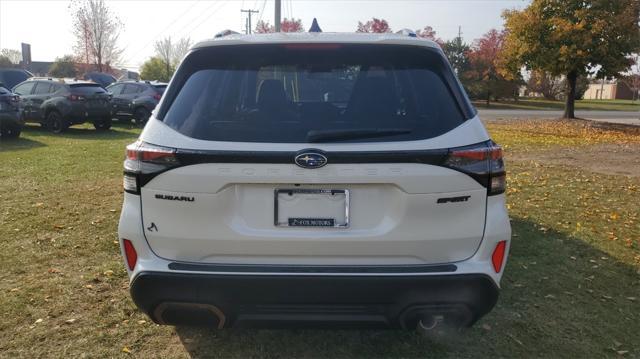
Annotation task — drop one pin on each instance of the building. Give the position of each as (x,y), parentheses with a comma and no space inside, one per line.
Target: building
(608,90)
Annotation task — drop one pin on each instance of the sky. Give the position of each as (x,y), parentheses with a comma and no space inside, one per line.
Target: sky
(46,25)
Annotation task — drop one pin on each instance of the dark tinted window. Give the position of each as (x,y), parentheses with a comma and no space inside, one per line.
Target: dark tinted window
(130,89)
(87,89)
(42,88)
(115,89)
(160,88)
(24,89)
(10,78)
(290,93)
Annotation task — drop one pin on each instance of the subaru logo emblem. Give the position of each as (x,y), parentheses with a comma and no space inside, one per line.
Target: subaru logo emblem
(311,159)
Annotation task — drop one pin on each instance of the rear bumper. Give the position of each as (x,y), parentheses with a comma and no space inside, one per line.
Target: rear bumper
(10,118)
(278,299)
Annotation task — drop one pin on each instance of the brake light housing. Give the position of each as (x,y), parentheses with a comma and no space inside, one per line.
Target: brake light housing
(483,162)
(74,97)
(142,161)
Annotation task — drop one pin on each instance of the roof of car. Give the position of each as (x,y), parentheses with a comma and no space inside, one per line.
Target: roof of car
(317,37)
(155,83)
(61,80)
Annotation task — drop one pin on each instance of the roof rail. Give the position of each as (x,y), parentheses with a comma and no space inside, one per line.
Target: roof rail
(224,33)
(407,32)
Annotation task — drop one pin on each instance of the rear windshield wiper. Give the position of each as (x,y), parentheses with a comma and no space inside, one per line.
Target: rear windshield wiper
(351,134)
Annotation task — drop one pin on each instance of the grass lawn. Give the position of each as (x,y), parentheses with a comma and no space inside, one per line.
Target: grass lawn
(571,287)
(543,104)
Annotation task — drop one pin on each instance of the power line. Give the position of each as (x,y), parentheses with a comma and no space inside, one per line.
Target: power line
(207,17)
(163,30)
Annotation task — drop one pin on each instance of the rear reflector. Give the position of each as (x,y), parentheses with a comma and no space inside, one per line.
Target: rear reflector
(130,253)
(498,256)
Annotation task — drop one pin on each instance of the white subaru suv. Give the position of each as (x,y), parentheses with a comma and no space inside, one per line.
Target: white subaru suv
(315,179)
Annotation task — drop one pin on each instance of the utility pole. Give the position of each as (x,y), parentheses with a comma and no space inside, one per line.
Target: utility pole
(248,24)
(276,20)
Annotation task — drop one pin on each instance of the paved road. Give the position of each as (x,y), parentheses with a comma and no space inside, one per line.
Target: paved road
(624,117)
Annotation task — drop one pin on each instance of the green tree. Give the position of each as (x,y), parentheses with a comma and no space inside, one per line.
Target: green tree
(457,53)
(572,38)
(64,66)
(154,69)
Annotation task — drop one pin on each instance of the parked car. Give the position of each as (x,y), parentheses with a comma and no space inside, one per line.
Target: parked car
(330,179)
(60,103)
(11,76)
(135,99)
(102,78)
(10,121)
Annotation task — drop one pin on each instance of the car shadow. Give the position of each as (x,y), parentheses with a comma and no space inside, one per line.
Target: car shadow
(18,144)
(551,297)
(117,131)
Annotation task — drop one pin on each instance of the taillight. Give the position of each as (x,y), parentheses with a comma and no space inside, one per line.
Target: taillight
(157,96)
(143,160)
(483,162)
(130,253)
(497,258)
(74,97)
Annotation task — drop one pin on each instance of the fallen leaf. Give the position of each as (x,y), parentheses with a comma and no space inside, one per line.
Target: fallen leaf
(70,321)
(126,350)
(39,320)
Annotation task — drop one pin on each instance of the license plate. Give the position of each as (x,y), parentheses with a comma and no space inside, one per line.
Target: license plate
(311,208)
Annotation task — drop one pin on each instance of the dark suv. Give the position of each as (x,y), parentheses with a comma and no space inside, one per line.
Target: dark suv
(135,99)
(10,123)
(60,103)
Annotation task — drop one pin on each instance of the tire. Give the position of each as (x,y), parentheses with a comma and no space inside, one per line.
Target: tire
(10,131)
(56,123)
(103,124)
(141,115)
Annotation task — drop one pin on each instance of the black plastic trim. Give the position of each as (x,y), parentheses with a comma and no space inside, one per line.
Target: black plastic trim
(316,300)
(310,269)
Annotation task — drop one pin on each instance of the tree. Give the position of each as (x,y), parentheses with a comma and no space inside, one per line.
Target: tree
(457,53)
(5,62)
(572,38)
(14,56)
(374,25)
(429,33)
(542,82)
(286,25)
(96,30)
(171,53)
(154,69)
(64,66)
(483,77)
(632,77)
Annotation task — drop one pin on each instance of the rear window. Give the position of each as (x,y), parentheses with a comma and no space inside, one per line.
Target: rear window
(10,78)
(160,88)
(87,89)
(296,93)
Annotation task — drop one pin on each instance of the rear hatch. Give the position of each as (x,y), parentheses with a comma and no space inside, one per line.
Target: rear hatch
(93,96)
(326,154)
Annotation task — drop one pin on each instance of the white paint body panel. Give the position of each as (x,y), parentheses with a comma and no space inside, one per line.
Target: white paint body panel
(395,217)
